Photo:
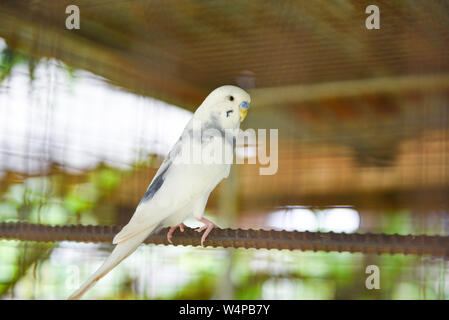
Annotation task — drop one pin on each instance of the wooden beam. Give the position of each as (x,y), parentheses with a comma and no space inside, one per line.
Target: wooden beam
(287,95)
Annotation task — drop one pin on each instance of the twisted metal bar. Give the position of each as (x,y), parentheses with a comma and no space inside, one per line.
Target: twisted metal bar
(437,246)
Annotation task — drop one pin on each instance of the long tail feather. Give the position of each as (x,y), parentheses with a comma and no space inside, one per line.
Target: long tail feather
(120,252)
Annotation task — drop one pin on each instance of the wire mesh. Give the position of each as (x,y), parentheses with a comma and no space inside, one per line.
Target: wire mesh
(75,149)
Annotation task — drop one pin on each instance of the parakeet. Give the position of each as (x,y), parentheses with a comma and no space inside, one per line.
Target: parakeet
(182,185)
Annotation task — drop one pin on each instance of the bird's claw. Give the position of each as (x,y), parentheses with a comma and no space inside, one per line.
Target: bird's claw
(181,227)
(208,226)
(199,229)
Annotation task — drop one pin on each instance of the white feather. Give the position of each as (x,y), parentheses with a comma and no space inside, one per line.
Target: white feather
(185,187)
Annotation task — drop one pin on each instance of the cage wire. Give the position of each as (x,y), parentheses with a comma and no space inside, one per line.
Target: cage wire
(59,169)
(358,174)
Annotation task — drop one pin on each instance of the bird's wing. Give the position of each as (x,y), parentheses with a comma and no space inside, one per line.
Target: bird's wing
(139,218)
(174,187)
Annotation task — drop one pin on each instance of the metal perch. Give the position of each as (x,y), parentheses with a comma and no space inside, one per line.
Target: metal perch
(437,246)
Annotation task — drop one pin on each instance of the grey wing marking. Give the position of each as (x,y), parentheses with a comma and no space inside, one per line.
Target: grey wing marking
(159,178)
(155,185)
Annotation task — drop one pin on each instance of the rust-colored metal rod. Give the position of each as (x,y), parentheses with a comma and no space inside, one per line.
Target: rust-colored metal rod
(237,238)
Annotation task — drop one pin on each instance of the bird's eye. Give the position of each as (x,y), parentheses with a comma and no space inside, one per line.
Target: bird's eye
(231,98)
(228,112)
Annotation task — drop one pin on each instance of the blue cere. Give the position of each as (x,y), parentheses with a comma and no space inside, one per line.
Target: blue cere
(245,105)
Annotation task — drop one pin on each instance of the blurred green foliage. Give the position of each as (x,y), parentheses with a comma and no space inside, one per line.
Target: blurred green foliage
(40,200)
(10,58)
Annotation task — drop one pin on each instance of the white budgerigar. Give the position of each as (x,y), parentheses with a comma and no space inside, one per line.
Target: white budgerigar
(181,187)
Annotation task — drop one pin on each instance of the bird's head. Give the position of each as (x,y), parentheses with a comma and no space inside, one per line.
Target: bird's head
(227,106)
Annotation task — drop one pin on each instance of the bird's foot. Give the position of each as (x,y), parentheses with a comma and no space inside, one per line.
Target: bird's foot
(208,226)
(181,227)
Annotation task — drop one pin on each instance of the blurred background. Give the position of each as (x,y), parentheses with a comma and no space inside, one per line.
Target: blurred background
(87,115)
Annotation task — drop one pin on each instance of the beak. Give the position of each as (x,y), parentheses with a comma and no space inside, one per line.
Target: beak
(244,106)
